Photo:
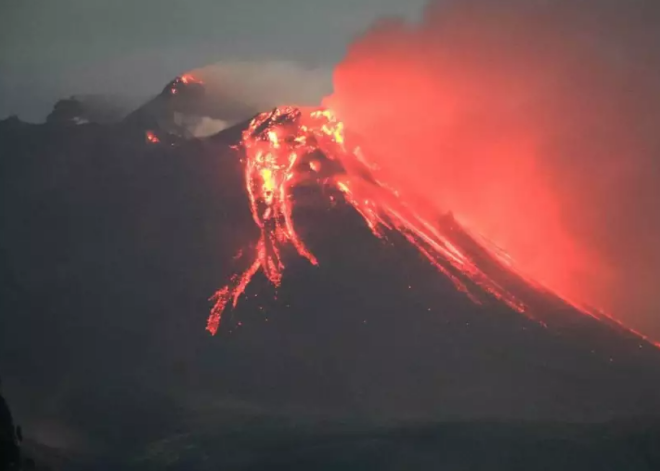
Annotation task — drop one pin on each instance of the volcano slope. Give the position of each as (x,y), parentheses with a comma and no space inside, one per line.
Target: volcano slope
(111,246)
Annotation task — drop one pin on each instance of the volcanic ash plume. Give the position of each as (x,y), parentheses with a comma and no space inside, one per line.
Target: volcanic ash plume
(536,124)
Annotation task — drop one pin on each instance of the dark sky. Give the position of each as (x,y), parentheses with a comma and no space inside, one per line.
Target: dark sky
(54,49)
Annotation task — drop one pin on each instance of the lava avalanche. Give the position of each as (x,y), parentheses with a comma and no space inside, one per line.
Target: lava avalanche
(291,146)
(280,148)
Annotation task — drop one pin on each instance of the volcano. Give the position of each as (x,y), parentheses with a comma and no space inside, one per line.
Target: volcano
(288,147)
(176,111)
(334,298)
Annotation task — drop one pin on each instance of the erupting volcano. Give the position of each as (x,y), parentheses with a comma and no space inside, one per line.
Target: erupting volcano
(289,147)
(183,82)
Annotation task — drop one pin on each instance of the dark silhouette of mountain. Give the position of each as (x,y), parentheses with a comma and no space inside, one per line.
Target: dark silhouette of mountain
(110,247)
(9,436)
(67,111)
(100,109)
(180,109)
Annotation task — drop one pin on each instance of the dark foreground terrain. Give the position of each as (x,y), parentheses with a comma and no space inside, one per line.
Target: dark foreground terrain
(455,446)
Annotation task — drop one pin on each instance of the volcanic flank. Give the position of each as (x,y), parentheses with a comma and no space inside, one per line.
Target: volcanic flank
(335,296)
(182,109)
(288,146)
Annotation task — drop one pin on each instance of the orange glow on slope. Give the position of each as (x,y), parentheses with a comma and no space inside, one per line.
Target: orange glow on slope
(151,137)
(507,261)
(178,84)
(490,184)
(189,78)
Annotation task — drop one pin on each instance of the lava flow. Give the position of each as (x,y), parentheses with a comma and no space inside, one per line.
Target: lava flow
(282,149)
(278,148)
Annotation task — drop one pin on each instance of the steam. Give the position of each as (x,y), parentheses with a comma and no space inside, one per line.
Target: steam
(535,122)
(239,90)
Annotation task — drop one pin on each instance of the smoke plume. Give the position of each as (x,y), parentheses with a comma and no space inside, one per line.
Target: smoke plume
(536,123)
(237,90)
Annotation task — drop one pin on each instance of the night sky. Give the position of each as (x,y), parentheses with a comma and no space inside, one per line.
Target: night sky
(49,50)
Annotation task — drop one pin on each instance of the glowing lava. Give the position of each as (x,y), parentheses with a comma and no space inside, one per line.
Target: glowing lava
(151,137)
(183,81)
(278,155)
(290,146)
(189,78)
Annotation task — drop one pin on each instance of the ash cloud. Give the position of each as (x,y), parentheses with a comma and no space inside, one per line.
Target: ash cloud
(537,123)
